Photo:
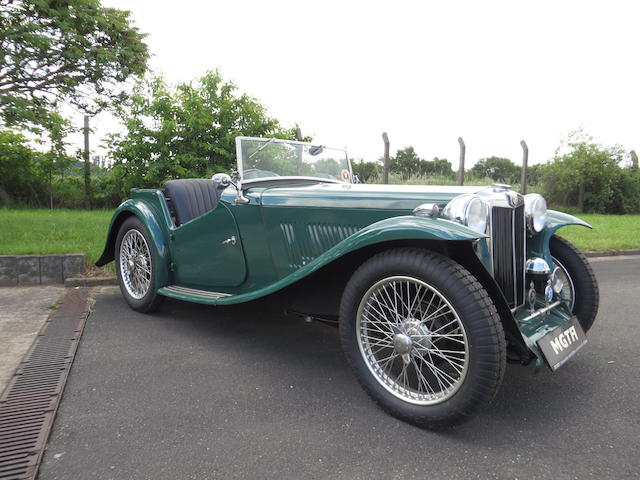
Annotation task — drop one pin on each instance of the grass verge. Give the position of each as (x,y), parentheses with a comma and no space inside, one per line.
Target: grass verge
(610,232)
(39,231)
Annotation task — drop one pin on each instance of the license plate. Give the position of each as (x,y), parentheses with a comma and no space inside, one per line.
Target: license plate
(561,343)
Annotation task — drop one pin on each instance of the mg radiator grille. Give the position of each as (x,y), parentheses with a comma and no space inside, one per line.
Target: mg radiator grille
(508,240)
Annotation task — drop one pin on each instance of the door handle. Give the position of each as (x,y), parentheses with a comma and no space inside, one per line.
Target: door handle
(230,241)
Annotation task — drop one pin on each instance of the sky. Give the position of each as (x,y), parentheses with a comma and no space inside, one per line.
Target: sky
(426,72)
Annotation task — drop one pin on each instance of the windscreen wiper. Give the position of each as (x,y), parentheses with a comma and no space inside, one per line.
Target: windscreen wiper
(261,148)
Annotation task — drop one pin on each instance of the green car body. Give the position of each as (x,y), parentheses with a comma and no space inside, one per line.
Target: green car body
(434,288)
(284,234)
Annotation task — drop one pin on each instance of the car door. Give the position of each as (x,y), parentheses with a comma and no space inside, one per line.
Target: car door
(207,252)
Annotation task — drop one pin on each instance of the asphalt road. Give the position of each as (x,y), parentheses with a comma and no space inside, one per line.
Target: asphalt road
(195,392)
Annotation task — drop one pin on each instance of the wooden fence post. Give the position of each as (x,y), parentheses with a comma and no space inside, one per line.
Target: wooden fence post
(525,162)
(463,150)
(385,172)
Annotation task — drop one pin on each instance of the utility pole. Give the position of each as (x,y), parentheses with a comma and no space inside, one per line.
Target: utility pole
(525,163)
(87,166)
(385,172)
(463,150)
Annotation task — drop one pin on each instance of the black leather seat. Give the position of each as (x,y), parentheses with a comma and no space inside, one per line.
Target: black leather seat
(191,197)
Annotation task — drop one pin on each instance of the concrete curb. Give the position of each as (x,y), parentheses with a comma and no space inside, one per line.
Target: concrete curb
(18,270)
(614,253)
(90,281)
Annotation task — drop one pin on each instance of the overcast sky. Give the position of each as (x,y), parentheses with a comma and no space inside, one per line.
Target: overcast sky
(426,72)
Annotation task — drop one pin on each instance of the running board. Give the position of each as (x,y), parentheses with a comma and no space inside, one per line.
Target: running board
(192,294)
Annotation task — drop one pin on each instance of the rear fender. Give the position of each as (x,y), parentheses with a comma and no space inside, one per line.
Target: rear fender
(150,212)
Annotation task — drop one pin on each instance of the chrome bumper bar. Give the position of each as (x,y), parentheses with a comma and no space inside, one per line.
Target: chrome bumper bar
(542,311)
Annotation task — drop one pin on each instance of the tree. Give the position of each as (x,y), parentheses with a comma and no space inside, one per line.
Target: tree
(18,169)
(405,163)
(186,130)
(55,160)
(367,171)
(498,169)
(75,51)
(588,176)
(437,166)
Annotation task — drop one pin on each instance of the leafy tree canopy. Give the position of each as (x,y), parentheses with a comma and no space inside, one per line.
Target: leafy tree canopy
(497,168)
(367,171)
(437,166)
(76,51)
(588,175)
(405,162)
(187,130)
(18,168)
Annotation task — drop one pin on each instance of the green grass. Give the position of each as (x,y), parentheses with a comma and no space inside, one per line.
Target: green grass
(53,231)
(610,232)
(78,231)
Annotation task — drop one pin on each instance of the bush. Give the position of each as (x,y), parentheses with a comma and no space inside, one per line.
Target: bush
(589,177)
(367,171)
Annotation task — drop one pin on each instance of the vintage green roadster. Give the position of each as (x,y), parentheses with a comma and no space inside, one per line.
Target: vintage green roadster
(434,288)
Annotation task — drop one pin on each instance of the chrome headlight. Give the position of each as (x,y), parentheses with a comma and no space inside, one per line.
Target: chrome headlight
(535,209)
(468,210)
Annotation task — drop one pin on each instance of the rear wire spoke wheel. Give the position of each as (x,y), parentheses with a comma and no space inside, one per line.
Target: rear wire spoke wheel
(423,337)
(135,267)
(135,264)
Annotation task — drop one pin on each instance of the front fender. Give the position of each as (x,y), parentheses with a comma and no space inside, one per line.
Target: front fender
(538,244)
(388,230)
(149,211)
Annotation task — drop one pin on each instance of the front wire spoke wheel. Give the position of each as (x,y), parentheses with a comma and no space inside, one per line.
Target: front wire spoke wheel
(412,340)
(135,264)
(568,290)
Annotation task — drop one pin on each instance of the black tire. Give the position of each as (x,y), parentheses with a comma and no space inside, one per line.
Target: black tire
(150,300)
(485,364)
(586,296)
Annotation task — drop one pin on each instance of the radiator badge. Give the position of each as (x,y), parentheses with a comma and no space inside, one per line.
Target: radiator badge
(513,198)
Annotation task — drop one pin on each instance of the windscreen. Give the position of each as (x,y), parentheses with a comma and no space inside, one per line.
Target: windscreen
(264,158)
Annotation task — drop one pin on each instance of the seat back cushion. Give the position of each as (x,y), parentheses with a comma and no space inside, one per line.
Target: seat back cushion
(191,197)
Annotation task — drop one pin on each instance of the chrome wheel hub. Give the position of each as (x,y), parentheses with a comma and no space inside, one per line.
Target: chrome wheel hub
(402,343)
(418,331)
(412,340)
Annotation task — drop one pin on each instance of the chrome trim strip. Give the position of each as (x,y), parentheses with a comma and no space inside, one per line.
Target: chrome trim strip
(537,313)
(195,292)
(246,184)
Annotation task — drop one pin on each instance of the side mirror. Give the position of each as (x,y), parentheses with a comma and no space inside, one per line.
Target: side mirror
(221,181)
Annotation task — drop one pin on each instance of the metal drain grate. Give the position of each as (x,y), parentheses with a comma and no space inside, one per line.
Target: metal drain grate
(29,403)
